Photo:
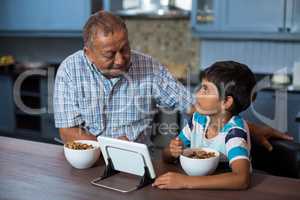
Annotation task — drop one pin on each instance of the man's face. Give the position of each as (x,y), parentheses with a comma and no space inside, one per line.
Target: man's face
(110,54)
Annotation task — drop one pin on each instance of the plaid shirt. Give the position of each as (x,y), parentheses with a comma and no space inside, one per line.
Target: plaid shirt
(115,107)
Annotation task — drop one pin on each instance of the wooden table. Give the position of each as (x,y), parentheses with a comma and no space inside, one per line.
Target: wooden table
(32,170)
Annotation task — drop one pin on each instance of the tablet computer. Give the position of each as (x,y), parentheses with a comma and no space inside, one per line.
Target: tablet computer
(126,156)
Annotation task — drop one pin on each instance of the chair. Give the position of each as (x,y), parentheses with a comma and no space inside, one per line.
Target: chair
(283,160)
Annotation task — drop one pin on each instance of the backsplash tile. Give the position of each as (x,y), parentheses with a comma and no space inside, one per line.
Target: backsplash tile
(169,41)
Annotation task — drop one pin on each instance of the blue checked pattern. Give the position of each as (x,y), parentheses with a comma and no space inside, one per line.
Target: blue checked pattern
(115,107)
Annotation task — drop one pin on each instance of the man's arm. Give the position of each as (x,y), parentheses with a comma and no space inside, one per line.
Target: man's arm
(76,133)
(262,135)
(67,114)
(169,92)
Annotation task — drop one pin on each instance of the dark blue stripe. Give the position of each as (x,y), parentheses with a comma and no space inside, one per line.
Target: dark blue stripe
(235,132)
(190,123)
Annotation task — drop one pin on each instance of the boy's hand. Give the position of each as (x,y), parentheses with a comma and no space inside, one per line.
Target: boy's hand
(176,147)
(171,180)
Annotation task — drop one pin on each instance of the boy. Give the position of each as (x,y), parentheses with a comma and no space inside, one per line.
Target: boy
(226,90)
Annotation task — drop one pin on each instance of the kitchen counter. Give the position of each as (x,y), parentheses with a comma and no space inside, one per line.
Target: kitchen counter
(33,170)
(275,87)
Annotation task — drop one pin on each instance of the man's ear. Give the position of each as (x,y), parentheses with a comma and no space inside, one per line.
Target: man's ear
(88,53)
(228,103)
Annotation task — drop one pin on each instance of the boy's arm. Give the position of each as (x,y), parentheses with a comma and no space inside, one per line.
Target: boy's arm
(239,178)
(171,153)
(166,155)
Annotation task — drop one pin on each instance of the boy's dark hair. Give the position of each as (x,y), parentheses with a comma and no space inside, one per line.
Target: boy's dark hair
(232,79)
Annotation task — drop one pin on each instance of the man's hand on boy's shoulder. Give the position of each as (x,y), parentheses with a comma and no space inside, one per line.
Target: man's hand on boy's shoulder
(263,135)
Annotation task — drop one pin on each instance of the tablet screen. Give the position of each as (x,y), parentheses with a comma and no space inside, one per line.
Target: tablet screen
(129,157)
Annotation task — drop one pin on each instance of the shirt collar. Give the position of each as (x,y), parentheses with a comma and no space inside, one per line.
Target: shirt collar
(91,65)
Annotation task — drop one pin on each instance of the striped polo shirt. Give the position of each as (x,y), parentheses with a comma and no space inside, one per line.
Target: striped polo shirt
(233,141)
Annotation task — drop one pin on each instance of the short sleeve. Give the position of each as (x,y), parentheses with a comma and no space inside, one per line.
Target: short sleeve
(185,133)
(237,147)
(66,109)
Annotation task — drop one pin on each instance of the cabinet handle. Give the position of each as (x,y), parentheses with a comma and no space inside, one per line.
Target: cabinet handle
(297,119)
(281,29)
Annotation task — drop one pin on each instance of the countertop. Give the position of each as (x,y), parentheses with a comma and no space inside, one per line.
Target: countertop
(270,86)
(33,170)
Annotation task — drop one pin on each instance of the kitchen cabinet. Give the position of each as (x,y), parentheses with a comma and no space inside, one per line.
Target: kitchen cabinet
(20,120)
(7,122)
(293,110)
(293,16)
(48,129)
(206,15)
(256,19)
(253,16)
(43,17)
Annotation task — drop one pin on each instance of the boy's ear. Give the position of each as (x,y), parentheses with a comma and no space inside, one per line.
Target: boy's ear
(228,103)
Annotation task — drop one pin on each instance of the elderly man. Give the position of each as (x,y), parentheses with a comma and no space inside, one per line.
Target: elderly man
(108,89)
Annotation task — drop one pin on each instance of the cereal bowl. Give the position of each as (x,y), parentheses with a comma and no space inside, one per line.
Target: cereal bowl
(194,166)
(82,158)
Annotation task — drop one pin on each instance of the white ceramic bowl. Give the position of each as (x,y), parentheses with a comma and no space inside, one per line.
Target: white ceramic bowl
(83,159)
(199,167)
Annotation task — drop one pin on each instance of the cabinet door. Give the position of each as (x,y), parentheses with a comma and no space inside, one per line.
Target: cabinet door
(293,16)
(293,109)
(49,132)
(45,15)
(206,15)
(7,122)
(253,16)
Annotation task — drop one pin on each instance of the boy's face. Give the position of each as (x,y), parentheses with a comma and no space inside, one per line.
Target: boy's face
(207,99)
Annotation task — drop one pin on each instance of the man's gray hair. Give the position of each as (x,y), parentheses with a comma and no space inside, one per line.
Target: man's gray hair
(104,23)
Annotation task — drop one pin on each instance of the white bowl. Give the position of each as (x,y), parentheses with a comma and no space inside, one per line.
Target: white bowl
(83,159)
(199,167)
